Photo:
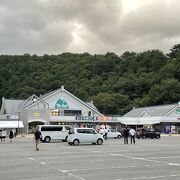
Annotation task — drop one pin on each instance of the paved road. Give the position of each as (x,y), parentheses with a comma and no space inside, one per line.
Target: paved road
(147,159)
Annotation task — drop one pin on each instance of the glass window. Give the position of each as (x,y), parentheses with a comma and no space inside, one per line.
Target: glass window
(81,131)
(67,128)
(55,112)
(72,113)
(90,131)
(51,128)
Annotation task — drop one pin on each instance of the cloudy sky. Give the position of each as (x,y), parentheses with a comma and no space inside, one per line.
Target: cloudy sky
(94,26)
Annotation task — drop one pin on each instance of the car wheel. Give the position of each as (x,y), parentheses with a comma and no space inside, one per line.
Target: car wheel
(47,139)
(99,141)
(144,137)
(119,137)
(157,137)
(76,142)
(70,143)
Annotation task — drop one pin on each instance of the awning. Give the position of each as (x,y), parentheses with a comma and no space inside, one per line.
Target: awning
(140,120)
(11,124)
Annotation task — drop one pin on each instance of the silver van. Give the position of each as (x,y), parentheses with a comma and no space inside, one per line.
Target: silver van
(54,132)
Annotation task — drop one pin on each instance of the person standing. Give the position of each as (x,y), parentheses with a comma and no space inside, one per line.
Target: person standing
(37,136)
(1,135)
(132,133)
(4,134)
(101,131)
(105,133)
(11,135)
(126,135)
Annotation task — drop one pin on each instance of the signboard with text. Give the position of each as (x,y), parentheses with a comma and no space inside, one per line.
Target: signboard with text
(85,118)
(107,118)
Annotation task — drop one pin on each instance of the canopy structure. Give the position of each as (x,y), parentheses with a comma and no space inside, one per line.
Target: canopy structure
(140,120)
(11,124)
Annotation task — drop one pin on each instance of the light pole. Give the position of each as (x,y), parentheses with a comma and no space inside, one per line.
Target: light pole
(18,121)
(93,120)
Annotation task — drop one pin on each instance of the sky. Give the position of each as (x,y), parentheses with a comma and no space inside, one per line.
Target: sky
(94,26)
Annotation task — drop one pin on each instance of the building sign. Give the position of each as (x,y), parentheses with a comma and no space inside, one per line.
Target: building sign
(61,104)
(85,118)
(107,118)
(36,114)
(177,111)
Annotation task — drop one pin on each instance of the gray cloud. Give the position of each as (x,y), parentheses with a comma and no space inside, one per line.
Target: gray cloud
(97,26)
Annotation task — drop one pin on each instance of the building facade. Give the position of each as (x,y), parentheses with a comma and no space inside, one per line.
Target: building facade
(56,107)
(62,107)
(164,118)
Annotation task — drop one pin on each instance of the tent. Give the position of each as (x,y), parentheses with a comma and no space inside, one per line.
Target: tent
(11,124)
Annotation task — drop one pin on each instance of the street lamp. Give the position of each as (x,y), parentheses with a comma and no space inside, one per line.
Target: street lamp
(93,120)
(18,121)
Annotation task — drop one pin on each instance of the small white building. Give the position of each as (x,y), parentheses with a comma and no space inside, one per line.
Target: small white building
(162,117)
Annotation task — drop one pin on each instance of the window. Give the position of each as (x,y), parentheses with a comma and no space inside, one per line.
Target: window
(89,113)
(81,131)
(90,131)
(55,113)
(51,128)
(67,128)
(72,113)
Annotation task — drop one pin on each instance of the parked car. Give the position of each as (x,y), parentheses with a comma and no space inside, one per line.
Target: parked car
(112,133)
(84,135)
(54,132)
(148,133)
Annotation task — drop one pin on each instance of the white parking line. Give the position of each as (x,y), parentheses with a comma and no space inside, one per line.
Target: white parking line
(70,174)
(151,177)
(131,157)
(118,167)
(173,164)
(43,163)
(165,157)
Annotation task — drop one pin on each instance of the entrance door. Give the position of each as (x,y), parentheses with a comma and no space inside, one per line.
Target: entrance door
(32,126)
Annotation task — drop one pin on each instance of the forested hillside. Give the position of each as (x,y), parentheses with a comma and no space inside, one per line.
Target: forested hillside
(114,83)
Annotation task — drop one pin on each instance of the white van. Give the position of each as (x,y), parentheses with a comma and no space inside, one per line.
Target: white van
(84,135)
(54,132)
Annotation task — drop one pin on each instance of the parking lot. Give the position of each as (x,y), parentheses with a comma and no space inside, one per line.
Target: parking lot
(147,159)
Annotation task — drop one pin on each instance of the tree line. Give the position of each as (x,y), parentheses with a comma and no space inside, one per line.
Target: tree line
(115,83)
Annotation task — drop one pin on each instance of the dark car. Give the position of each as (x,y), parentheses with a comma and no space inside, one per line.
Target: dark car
(148,133)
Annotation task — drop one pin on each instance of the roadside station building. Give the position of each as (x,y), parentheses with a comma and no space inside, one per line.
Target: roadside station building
(56,107)
(162,117)
(62,107)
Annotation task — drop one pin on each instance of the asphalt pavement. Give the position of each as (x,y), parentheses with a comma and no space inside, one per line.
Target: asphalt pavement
(147,159)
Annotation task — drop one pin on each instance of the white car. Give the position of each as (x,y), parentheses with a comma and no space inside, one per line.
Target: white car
(84,135)
(112,133)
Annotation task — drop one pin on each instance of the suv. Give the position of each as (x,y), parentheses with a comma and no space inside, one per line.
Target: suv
(84,135)
(54,132)
(148,133)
